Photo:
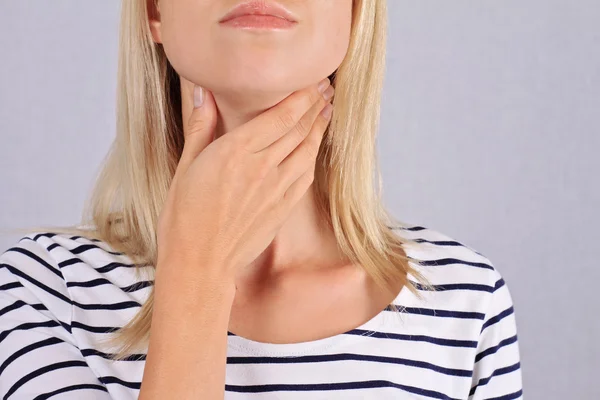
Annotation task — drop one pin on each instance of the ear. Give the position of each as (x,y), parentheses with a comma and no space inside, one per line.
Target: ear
(154,19)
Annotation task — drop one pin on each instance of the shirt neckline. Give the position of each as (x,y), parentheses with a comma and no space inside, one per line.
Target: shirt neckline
(256,348)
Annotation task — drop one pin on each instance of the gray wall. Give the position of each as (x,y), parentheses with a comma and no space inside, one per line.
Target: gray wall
(488,135)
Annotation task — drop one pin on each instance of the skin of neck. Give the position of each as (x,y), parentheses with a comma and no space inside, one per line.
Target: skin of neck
(304,240)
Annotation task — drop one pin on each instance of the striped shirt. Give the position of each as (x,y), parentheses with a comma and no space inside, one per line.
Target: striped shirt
(59,294)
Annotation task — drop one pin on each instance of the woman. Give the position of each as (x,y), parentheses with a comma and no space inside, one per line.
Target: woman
(237,213)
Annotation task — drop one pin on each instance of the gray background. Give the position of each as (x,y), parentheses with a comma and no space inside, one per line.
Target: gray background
(488,135)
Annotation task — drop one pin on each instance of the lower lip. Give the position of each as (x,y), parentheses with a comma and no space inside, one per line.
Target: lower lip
(259,22)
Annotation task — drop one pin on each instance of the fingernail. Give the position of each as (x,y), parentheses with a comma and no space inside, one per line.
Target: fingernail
(198,96)
(324,84)
(328,94)
(327,110)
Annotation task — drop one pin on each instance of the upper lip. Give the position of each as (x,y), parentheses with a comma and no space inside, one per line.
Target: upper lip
(258,7)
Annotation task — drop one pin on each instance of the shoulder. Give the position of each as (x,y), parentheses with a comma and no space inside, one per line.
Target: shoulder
(31,276)
(30,262)
(448,261)
(466,283)
(472,293)
(50,266)
(44,320)
(49,251)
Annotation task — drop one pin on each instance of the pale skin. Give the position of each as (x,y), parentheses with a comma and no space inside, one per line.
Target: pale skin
(300,267)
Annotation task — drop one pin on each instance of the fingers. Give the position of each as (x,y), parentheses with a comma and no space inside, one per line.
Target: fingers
(272,124)
(282,148)
(199,130)
(296,172)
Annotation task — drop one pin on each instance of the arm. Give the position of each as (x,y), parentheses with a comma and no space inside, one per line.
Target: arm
(187,353)
(38,354)
(497,369)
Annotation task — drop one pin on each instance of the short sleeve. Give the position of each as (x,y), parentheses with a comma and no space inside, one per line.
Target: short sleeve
(497,368)
(39,357)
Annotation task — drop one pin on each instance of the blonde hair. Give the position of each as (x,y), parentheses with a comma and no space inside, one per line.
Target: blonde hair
(131,188)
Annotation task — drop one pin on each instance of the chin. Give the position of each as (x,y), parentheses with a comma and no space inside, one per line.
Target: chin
(257,82)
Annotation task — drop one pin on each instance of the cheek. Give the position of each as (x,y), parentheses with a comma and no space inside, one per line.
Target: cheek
(332,38)
(187,38)
(324,42)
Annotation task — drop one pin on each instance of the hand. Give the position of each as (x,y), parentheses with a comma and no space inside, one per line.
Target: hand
(230,196)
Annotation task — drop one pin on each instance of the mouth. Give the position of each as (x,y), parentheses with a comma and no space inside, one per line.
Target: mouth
(259,13)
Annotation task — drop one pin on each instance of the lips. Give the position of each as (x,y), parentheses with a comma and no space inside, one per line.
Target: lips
(259,7)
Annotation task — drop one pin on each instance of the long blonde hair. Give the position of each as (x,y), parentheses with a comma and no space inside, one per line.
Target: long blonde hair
(131,188)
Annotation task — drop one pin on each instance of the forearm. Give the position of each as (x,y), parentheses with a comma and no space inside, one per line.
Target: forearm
(187,353)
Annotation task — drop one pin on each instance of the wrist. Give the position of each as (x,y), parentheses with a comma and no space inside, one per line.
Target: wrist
(194,279)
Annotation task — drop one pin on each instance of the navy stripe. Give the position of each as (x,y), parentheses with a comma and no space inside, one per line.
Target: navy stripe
(448,261)
(52,246)
(117,381)
(11,285)
(435,242)
(85,247)
(137,286)
(116,306)
(76,237)
(455,286)
(20,303)
(94,329)
(437,313)
(415,228)
(71,388)
(349,356)
(29,325)
(113,265)
(94,352)
(499,283)
(510,310)
(415,338)
(47,289)
(70,261)
(37,258)
(335,386)
(498,372)
(92,283)
(39,235)
(446,243)
(52,234)
(103,281)
(79,249)
(41,371)
(43,343)
(439,242)
(494,349)
(83,237)
(105,268)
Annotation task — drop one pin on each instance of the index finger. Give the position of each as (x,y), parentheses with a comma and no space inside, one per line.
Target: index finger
(268,127)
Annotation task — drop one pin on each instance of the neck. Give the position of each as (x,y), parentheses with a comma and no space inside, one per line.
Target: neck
(304,240)
(235,109)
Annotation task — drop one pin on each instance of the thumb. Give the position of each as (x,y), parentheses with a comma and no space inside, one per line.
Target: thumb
(200,129)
